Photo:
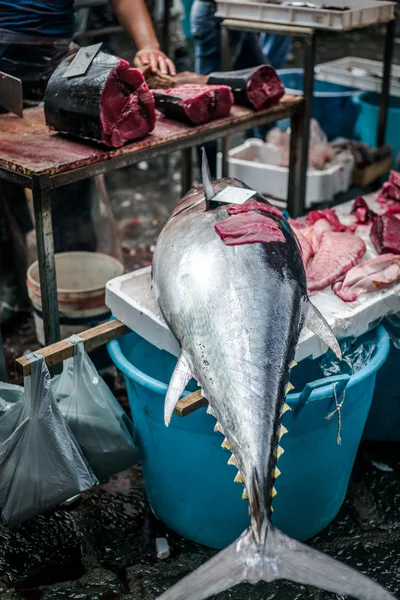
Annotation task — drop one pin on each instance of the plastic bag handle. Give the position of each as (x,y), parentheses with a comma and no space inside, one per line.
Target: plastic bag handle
(79,353)
(37,384)
(338,383)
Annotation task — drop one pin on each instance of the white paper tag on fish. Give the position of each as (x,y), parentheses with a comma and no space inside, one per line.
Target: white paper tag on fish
(82,61)
(233,195)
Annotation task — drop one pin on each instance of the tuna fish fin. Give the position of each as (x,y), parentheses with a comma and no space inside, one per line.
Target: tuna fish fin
(318,325)
(268,557)
(180,377)
(209,192)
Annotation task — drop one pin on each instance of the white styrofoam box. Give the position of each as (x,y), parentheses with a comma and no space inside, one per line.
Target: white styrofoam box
(258,162)
(360,14)
(356,72)
(131,300)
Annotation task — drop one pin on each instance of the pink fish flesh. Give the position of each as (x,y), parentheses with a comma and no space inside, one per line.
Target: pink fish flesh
(250,206)
(248,228)
(362,211)
(375,274)
(337,253)
(329,215)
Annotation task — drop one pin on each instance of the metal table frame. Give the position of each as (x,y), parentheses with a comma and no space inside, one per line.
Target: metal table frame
(309,36)
(42,184)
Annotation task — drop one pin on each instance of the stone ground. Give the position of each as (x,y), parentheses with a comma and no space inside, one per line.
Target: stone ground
(103,547)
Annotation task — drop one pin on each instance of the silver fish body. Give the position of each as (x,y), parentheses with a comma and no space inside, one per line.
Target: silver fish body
(237,312)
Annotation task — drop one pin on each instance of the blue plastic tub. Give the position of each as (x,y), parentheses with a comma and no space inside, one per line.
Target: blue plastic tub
(185,21)
(332,103)
(188,482)
(366,126)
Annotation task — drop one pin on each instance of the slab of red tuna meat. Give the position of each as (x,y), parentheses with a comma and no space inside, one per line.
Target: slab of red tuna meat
(375,274)
(389,191)
(110,104)
(258,87)
(248,206)
(336,254)
(329,215)
(394,177)
(362,211)
(385,234)
(195,103)
(248,228)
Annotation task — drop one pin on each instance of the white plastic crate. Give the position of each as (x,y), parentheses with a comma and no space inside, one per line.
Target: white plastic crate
(248,162)
(131,300)
(360,14)
(358,73)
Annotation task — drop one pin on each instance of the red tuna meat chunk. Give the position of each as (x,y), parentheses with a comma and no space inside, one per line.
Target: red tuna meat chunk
(329,215)
(251,205)
(196,103)
(265,89)
(375,274)
(389,191)
(110,104)
(362,211)
(336,254)
(394,177)
(248,228)
(385,234)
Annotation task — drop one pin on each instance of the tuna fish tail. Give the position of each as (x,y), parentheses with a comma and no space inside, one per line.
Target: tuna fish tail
(275,557)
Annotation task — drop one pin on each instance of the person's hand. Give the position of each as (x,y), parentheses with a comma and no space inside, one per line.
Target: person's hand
(158,61)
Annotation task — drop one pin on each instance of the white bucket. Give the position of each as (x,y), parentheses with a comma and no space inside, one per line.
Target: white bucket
(81,283)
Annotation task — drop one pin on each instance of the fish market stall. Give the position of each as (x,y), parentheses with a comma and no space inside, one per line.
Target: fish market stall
(31,157)
(307,20)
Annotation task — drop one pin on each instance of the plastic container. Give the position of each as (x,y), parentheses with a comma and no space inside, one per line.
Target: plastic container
(188,482)
(361,13)
(81,283)
(329,99)
(358,73)
(248,162)
(366,125)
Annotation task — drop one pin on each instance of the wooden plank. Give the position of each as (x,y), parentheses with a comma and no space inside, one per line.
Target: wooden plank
(93,338)
(189,404)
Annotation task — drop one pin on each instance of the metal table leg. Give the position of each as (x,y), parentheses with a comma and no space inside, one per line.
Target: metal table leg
(226,65)
(187,179)
(45,249)
(308,89)
(297,175)
(389,44)
(166,27)
(3,367)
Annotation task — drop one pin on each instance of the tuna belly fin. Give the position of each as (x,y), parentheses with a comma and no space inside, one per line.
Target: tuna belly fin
(316,323)
(275,557)
(180,378)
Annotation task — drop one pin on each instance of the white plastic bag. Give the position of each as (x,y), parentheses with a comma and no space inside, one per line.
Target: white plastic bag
(9,395)
(41,464)
(98,422)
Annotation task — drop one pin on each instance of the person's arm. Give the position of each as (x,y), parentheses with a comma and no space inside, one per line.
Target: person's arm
(135,19)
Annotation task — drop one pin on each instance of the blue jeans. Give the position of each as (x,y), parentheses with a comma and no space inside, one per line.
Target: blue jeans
(246,52)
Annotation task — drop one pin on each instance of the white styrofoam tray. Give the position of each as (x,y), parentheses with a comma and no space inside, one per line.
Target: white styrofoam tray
(131,300)
(356,72)
(258,162)
(360,14)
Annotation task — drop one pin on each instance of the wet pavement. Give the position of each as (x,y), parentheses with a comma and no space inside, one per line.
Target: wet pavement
(103,547)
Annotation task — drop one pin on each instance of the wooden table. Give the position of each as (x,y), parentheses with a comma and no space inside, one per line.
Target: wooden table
(34,158)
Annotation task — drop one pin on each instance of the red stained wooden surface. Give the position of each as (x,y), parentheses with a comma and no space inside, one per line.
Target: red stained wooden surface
(27,147)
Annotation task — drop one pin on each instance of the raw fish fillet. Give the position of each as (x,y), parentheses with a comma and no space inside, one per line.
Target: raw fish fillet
(328,214)
(315,233)
(394,177)
(373,275)
(336,254)
(111,103)
(248,228)
(389,191)
(385,234)
(257,87)
(306,248)
(195,104)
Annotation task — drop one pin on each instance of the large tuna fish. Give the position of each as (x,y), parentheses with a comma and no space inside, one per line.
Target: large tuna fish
(230,282)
